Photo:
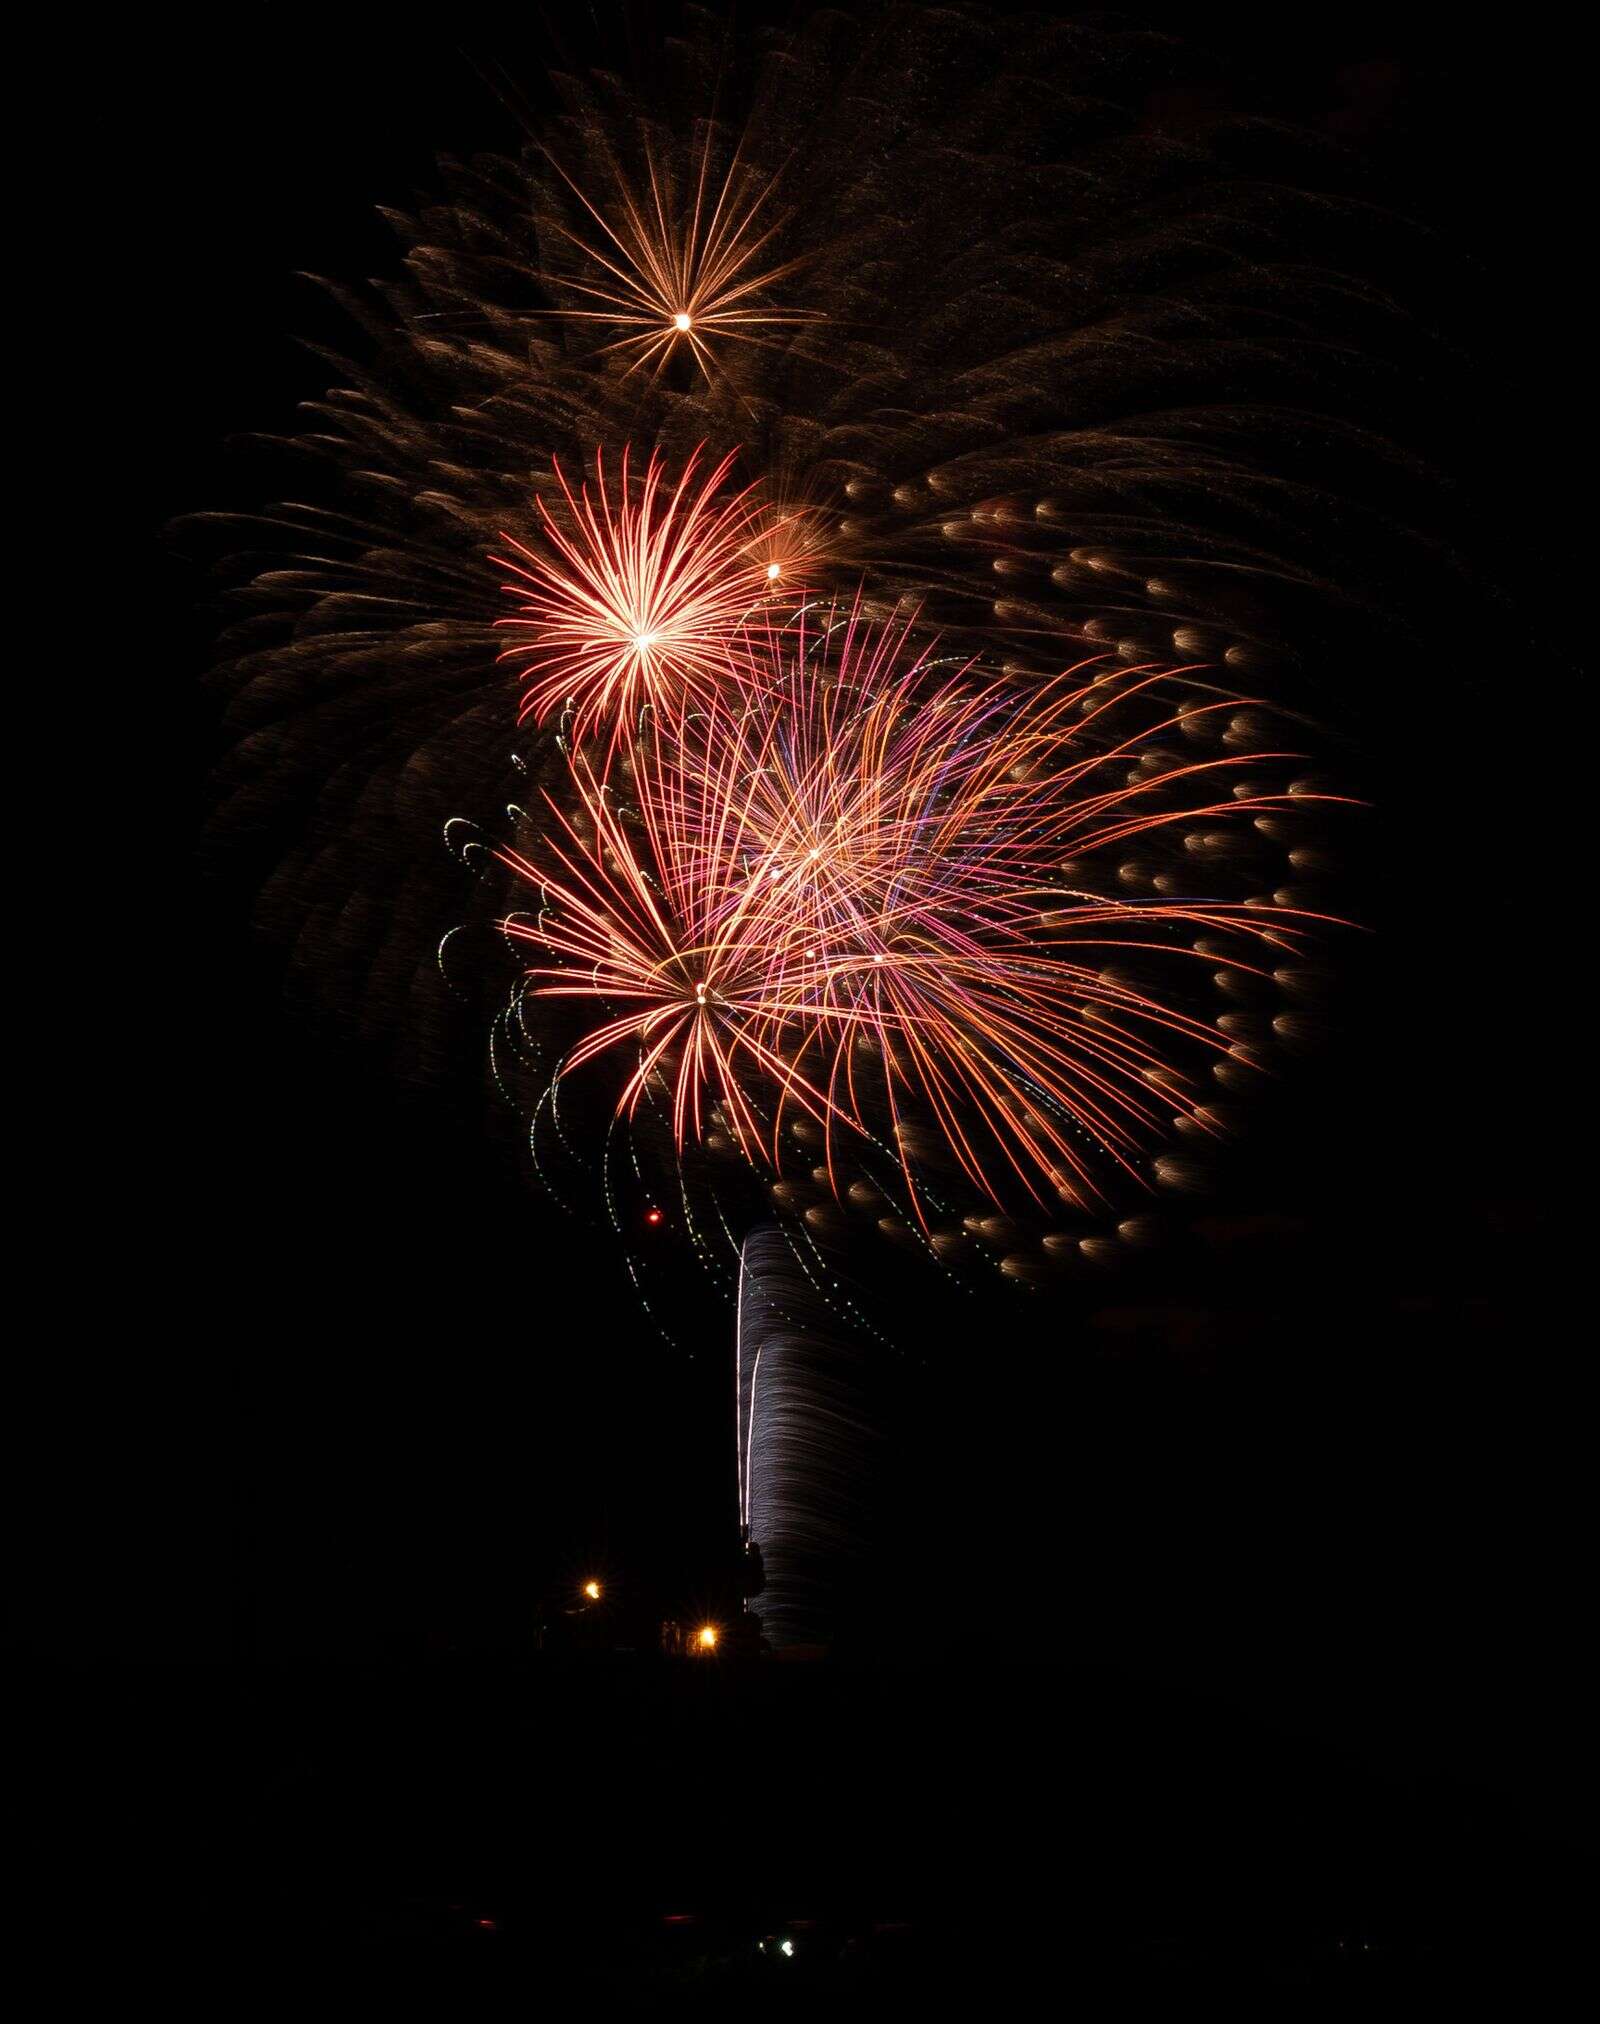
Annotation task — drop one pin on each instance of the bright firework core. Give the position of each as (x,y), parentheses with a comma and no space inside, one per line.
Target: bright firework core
(655,272)
(636,596)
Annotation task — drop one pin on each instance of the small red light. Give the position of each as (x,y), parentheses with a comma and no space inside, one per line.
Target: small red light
(653,1216)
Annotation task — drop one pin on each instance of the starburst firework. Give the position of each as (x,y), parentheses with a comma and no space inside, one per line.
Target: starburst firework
(638,597)
(678,273)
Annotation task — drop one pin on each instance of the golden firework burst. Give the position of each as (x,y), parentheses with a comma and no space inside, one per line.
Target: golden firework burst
(674,268)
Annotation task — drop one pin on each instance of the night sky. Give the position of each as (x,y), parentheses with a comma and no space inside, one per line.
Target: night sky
(1315,1469)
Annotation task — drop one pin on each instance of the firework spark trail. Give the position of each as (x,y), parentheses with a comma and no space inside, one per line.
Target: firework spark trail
(848,897)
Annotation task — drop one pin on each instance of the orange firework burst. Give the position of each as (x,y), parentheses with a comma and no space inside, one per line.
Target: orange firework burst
(641,599)
(852,898)
(673,274)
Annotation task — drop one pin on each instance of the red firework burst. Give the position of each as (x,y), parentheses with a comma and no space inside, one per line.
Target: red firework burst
(641,598)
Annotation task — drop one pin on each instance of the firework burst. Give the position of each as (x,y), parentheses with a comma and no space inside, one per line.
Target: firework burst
(641,596)
(1048,415)
(887,895)
(639,927)
(675,272)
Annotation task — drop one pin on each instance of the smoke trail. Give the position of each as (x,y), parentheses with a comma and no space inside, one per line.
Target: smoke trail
(807,1437)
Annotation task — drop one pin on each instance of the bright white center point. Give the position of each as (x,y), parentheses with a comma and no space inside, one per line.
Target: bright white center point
(774,569)
(644,640)
(682,320)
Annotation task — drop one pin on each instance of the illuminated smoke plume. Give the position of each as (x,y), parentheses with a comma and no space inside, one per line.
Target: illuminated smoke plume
(807,1444)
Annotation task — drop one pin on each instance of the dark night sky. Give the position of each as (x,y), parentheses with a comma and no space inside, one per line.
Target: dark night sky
(385,1394)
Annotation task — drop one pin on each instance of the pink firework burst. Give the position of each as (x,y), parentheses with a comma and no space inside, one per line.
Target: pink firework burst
(888,893)
(637,599)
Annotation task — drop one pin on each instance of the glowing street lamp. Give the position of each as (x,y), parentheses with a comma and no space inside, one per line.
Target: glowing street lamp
(705,1638)
(592,1590)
